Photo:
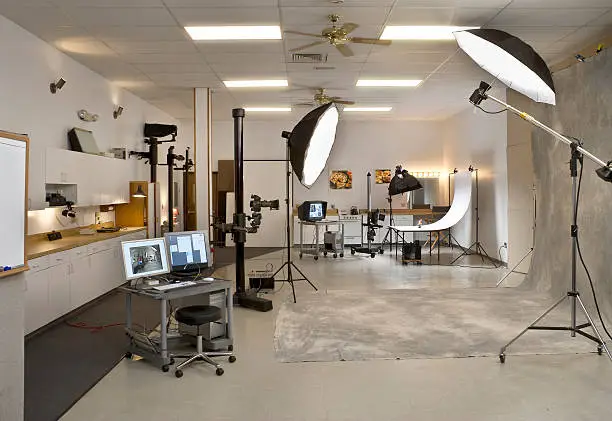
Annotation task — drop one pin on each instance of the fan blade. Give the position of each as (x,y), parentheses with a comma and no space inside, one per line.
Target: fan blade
(349,27)
(374,41)
(304,33)
(343,102)
(304,47)
(345,51)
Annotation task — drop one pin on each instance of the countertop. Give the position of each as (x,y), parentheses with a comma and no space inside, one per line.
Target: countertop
(38,245)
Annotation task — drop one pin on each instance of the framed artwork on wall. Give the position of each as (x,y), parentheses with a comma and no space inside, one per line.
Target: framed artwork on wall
(341,179)
(382,176)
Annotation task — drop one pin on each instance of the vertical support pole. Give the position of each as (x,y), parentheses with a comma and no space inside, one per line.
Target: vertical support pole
(170,164)
(239,216)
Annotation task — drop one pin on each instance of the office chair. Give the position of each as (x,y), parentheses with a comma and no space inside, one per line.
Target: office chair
(197,316)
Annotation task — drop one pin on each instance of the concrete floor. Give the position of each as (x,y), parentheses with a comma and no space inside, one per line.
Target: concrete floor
(257,387)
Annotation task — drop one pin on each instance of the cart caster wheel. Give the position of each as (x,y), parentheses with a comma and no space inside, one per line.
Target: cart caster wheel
(230,348)
(128,355)
(219,371)
(178,374)
(352,251)
(381,251)
(301,255)
(172,361)
(373,255)
(165,368)
(316,257)
(502,358)
(341,254)
(600,350)
(335,255)
(324,253)
(232,359)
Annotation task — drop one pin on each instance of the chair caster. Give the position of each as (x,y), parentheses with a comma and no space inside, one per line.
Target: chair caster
(381,251)
(128,355)
(178,374)
(335,255)
(232,359)
(502,358)
(172,361)
(301,255)
(219,371)
(341,254)
(316,257)
(373,255)
(352,251)
(165,368)
(600,350)
(325,253)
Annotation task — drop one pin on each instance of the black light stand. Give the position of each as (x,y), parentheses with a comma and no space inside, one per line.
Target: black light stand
(152,133)
(372,225)
(389,235)
(605,173)
(186,168)
(289,263)
(452,241)
(533,228)
(476,247)
(171,157)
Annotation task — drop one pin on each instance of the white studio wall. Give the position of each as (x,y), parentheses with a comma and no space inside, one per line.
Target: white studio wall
(479,139)
(361,146)
(29,107)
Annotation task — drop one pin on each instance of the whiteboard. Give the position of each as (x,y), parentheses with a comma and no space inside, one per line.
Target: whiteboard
(13,188)
(458,209)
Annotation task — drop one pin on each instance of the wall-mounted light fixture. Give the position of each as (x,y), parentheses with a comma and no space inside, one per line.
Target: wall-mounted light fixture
(425,174)
(56,86)
(117,112)
(87,116)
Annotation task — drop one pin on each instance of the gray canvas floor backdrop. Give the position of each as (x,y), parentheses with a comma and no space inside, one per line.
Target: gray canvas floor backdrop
(426,323)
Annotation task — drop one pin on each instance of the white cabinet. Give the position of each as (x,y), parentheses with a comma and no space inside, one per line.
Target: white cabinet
(37,294)
(99,180)
(59,291)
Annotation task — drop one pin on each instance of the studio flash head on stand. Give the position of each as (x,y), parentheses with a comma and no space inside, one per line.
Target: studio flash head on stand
(157,130)
(403,182)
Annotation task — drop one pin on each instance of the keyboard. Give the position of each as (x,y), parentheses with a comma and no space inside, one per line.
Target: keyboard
(174,286)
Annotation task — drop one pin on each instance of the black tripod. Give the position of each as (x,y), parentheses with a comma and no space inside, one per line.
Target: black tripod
(389,235)
(572,294)
(476,247)
(289,263)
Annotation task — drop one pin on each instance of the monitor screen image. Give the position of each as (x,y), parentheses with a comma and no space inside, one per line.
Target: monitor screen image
(188,250)
(142,258)
(316,211)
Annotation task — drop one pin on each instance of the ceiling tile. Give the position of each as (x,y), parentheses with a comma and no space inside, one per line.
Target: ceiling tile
(293,16)
(243,59)
(399,70)
(36,17)
(348,4)
(186,80)
(84,46)
(603,20)
(120,16)
(442,16)
(163,58)
(532,35)
(108,3)
(139,33)
(190,16)
(150,47)
(174,68)
(250,69)
(220,3)
(235,47)
(560,4)
(454,3)
(546,17)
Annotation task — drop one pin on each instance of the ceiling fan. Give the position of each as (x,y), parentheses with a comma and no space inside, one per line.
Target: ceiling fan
(321,98)
(338,36)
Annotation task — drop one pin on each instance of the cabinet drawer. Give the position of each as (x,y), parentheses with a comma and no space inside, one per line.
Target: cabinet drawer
(60,258)
(38,264)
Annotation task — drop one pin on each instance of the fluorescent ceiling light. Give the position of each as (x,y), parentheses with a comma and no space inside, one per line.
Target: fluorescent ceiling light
(268,109)
(389,83)
(422,32)
(256,83)
(217,33)
(368,109)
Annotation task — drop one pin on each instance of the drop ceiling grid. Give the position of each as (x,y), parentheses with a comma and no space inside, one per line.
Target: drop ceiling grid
(144,41)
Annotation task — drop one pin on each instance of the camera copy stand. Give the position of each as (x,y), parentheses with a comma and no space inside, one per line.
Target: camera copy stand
(371,225)
(605,173)
(289,263)
(476,247)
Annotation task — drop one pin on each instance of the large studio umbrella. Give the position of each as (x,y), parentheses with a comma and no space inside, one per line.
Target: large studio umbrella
(510,60)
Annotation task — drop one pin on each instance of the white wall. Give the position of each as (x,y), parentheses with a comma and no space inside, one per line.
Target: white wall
(479,139)
(361,146)
(28,107)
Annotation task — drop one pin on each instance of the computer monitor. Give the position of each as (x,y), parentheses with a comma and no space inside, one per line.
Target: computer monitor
(312,211)
(143,258)
(189,251)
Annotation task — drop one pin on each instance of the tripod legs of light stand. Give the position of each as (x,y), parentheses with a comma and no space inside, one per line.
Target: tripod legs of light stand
(573,294)
(290,279)
(574,297)
(476,248)
(513,270)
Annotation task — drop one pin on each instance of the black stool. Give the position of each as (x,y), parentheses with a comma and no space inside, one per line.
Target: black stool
(198,316)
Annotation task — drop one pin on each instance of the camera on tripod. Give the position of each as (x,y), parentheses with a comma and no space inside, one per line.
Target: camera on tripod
(257,204)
